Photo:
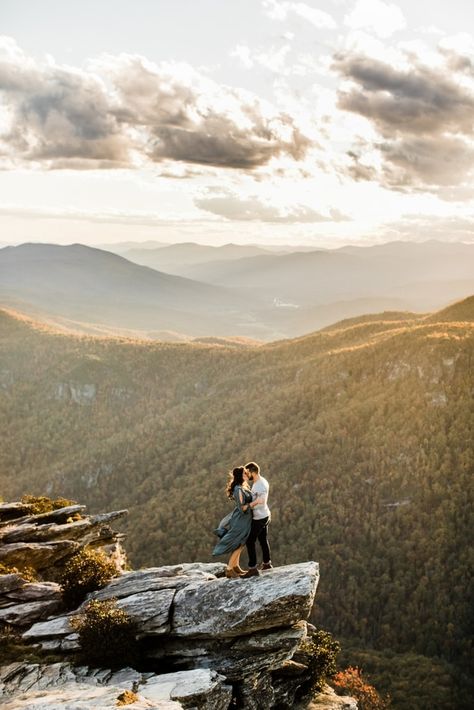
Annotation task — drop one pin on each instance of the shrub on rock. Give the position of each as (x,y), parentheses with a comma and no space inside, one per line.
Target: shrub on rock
(107,635)
(28,573)
(319,653)
(85,572)
(43,504)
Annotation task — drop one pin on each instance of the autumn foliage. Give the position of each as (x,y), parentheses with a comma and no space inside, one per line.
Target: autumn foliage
(352,682)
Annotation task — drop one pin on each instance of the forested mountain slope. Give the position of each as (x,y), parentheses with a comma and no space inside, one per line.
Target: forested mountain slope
(364,431)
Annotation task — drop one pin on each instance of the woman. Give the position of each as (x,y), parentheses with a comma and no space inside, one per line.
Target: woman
(238,527)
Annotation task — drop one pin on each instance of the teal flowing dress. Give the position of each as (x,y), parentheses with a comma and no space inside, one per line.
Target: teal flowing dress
(239,524)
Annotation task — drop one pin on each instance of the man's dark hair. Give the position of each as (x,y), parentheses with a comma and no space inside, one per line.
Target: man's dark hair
(252,467)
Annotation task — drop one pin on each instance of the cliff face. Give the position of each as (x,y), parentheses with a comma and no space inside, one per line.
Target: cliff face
(223,642)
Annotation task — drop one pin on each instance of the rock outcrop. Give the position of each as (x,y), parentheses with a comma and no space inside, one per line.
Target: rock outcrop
(205,641)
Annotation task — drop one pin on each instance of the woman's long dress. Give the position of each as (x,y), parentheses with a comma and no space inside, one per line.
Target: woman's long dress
(239,524)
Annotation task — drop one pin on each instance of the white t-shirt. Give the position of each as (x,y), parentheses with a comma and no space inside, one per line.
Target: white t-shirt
(260,489)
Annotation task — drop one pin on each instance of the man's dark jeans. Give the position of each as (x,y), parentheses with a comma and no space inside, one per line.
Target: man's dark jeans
(258,531)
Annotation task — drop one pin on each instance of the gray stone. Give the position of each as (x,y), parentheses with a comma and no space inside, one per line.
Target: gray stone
(227,608)
(149,580)
(9,582)
(233,657)
(25,614)
(150,609)
(86,530)
(75,696)
(53,628)
(34,591)
(11,511)
(203,689)
(37,555)
(60,515)
(59,685)
(328,700)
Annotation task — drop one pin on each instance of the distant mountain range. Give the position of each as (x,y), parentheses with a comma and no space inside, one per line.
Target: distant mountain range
(181,258)
(230,291)
(87,288)
(425,276)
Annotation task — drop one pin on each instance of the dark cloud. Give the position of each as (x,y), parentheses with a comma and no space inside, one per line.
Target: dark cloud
(193,120)
(247,209)
(419,101)
(425,118)
(61,117)
(429,160)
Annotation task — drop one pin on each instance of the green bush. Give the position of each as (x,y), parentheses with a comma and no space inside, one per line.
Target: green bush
(318,652)
(107,635)
(85,572)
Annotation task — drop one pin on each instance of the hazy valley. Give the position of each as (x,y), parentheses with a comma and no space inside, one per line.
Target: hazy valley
(225,291)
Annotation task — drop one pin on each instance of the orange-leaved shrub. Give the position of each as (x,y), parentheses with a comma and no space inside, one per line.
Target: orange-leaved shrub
(352,682)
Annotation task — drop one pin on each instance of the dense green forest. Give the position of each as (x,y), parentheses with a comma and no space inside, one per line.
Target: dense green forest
(364,430)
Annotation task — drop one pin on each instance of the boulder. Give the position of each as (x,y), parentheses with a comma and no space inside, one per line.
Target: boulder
(328,700)
(226,608)
(74,696)
(234,658)
(203,689)
(152,610)
(47,686)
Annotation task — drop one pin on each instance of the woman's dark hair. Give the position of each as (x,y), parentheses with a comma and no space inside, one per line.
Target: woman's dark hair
(236,478)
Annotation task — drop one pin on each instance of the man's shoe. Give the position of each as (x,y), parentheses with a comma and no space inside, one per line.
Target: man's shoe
(266,565)
(251,572)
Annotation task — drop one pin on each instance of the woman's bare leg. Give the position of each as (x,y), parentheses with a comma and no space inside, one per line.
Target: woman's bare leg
(235,557)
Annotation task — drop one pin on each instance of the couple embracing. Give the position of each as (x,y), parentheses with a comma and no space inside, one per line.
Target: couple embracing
(247,523)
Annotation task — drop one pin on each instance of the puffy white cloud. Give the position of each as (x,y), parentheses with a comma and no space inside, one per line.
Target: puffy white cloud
(281,9)
(380,17)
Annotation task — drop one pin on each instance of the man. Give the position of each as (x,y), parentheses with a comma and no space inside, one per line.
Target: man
(260,520)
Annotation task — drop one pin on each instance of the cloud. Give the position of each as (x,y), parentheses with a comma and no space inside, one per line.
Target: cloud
(125,109)
(280,9)
(380,17)
(193,119)
(424,118)
(246,209)
(57,114)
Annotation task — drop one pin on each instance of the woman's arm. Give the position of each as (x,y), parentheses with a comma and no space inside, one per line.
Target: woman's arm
(243,506)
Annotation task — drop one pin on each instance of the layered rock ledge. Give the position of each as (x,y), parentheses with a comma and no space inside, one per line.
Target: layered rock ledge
(206,641)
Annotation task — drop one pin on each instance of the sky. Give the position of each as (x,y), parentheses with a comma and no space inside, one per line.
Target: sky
(246,121)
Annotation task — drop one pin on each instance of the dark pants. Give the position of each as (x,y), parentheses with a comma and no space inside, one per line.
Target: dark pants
(258,531)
